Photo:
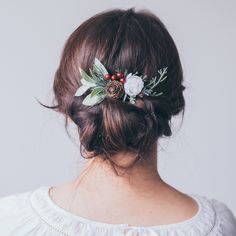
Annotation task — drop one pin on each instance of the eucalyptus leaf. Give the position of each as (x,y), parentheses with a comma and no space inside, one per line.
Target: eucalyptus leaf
(99,80)
(99,68)
(81,90)
(96,78)
(97,90)
(89,101)
(86,77)
(86,83)
(98,71)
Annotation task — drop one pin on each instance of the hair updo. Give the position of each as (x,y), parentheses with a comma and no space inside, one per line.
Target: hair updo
(124,39)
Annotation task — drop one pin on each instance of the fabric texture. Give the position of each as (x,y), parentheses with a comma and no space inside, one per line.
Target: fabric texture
(34,213)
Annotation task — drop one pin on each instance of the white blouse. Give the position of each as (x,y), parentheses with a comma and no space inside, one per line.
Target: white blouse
(34,213)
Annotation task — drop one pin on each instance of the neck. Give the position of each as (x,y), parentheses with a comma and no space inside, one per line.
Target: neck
(98,176)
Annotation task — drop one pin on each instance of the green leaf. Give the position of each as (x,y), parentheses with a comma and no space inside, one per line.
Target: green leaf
(124,97)
(86,83)
(94,76)
(163,78)
(86,77)
(99,80)
(81,90)
(89,101)
(155,94)
(84,87)
(97,90)
(99,68)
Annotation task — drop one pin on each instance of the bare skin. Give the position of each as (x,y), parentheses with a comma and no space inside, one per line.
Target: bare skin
(139,199)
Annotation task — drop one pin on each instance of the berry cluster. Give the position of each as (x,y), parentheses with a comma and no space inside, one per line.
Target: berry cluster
(117,76)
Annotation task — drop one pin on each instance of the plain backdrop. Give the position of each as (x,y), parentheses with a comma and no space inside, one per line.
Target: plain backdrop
(35,149)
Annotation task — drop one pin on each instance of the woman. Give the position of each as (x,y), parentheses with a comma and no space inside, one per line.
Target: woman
(120,80)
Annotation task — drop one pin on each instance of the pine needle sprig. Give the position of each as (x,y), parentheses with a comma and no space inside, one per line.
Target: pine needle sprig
(153,82)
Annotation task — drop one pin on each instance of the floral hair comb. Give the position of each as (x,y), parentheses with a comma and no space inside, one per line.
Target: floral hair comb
(117,85)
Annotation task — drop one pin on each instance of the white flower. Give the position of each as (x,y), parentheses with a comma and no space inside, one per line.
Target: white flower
(133,85)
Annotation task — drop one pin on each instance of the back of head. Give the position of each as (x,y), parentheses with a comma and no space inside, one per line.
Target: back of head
(133,41)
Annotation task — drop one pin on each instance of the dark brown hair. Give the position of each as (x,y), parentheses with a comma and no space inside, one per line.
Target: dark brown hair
(124,39)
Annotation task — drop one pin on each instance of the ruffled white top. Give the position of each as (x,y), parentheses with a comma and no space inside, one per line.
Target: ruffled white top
(34,213)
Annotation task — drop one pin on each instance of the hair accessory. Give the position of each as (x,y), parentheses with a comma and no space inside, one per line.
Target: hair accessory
(117,85)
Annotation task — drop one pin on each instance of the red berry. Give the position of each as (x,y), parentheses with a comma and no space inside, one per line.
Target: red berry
(107,76)
(119,74)
(113,77)
(122,80)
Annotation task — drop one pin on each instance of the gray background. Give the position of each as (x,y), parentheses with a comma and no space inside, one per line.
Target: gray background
(35,150)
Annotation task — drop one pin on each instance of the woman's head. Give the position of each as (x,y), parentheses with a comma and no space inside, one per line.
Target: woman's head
(129,40)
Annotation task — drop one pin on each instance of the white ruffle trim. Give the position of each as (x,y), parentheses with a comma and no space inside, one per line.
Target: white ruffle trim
(61,220)
(34,213)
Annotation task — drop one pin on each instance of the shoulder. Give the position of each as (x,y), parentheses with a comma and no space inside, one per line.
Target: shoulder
(10,201)
(13,204)
(217,215)
(16,214)
(225,218)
